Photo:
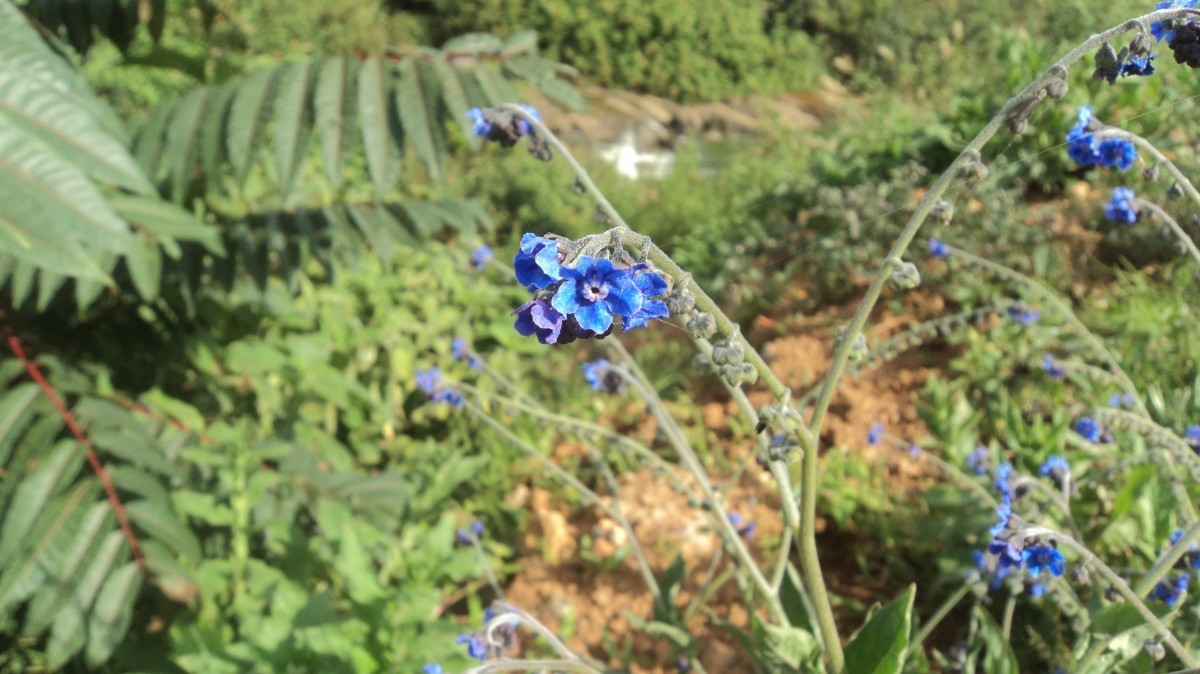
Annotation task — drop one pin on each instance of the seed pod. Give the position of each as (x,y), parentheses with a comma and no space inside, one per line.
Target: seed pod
(906,276)
(974,172)
(701,325)
(1056,88)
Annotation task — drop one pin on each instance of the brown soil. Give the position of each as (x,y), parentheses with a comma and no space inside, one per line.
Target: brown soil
(558,587)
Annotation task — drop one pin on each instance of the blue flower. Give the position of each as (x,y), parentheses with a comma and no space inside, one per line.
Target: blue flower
(594,373)
(651,285)
(875,434)
(479,126)
(914,450)
(1023,314)
(1038,589)
(536,262)
(595,291)
(481,256)
(539,318)
(432,668)
(1161,31)
(1138,65)
(978,460)
(744,527)
(1169,591)
(1008,555)
(1116,153)
(429,380)
(1040,558)
(1082,146)
(1122,207)
(1052,368)
(1055,466)
(459,348)
(1121,400)
(1088,428)
(1192,435)
(1003,471)
(1003,517)
(475,647)
(938,249)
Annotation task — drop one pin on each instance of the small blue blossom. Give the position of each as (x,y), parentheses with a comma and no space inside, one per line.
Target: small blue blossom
(1116,153)
(1088,428)
(459,348)
(1122,207)
(474,529)
(979,459)
(1192,436)
(1161,31)
(1082,146)
(1040,558)
(1121,400)
(651,285)
(525,127)
(1008,555)
(1038,589)
(428,380)
(1003,517)
(1169,591)
(541,319)
(1023,314)
(475,647)
(479,125)
(1052,368)
(481,256)
(595,291)
(432,668)
(1191,558)
(1138,65)
(875,434)
(744,527)
(1003,472)
(1055,466)
(939,249)
(914,450)
(536,262)
(594,373)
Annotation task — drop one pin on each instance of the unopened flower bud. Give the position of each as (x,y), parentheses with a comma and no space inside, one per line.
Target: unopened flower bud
(858,349)
(1150,173)
(728,352)
(906,276)
(1175,191)
(1107,63)
(942,212)
(974,172)
(1056,88)
(1154,649)
(701,325)
(680,301)
(1080,576)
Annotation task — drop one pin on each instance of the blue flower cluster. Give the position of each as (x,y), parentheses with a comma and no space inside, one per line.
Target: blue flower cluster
(1012,555)
(431,384)
(1123,207)
(502,127)
(939,249)
(1164,30)
(1055,465)
(1169,590)
(1088,428)
(1087,150)
(1191,558)
(1192,437)
(474,530)
(979,460)
(1023,314)
(462,352)
(582,300)
(744,527)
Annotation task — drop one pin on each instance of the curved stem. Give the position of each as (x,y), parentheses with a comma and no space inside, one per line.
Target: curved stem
(1180,178)
(533,666)
(1135,600)
(1181,235)
(1056,498)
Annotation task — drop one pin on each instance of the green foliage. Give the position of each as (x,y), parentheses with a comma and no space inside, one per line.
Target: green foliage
(694,50)
(880,646)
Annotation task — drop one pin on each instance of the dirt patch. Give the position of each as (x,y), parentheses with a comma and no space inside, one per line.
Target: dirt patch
(592,603)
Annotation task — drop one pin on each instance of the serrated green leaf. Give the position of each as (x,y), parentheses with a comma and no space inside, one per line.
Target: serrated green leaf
(521,42)
(248,116)
(212,135)
(111,615)
(33,493)
(152,138)
(473,43)
(380,132)
(454,97)
(155,518)
(61,586)
(879,647)
(52,533)
(167,220)
(183,137)
(145,269)
(335,105)
(419,108)
(68,634)
(16,414)
(132,447)
(293,121)
(496,88)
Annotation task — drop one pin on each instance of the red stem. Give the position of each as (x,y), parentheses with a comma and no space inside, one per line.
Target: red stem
(65,413)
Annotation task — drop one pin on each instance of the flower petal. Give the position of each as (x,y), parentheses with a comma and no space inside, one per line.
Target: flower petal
(566,300)
(624,297)
(594,317)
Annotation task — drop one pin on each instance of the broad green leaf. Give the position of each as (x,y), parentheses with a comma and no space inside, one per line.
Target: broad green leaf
(132,447)
(521,42)
(453,96)
(35,490)
(335,111)
(248,116)
(380,132)
(375,227)
(668,588)
(110,617)
(879,647)
(795,601)
(496,88)
(60,589)
(293,121)
(794,647)
(68,634)
(51,214)
(420,115)
(161,523)
(16,414)
(145,269)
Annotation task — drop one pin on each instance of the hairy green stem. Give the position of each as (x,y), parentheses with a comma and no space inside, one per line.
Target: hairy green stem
(1182,236)
(1180,178)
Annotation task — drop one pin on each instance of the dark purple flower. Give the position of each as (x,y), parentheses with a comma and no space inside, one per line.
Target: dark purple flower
(536,263)
(539,318)
(1138,65)
(594,292)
